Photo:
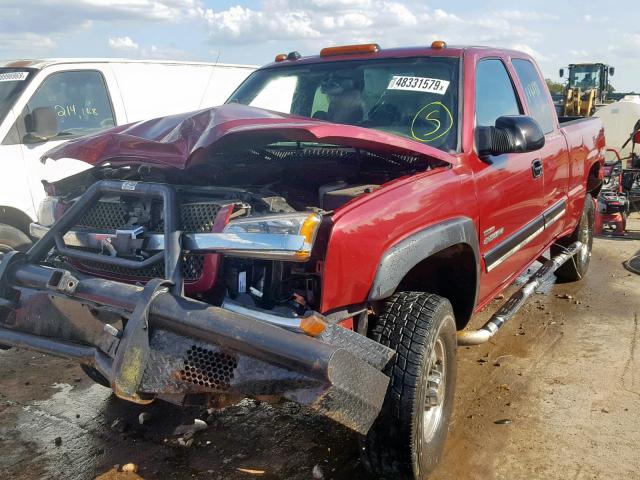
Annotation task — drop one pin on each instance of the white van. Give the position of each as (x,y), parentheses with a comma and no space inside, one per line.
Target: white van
(46,102)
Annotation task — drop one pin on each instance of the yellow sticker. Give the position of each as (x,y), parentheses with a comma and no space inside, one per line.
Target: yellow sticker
(433,121)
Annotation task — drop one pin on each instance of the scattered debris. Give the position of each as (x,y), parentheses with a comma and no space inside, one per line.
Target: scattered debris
(564,296)
(317,473)
(197,426)
(503,421)
(130,468)
(604,410)
(251,471)
(58,441)
(144,417)
(119,425)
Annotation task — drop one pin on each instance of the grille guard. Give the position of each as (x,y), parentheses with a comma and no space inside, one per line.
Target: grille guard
(172,345)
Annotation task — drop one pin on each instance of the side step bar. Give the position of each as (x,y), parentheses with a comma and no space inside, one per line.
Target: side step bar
(517,300)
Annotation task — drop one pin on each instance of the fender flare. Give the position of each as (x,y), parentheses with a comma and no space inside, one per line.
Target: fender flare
(399,259)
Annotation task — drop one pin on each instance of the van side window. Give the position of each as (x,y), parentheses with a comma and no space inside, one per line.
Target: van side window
(67,104)
(536,94)
(495,96)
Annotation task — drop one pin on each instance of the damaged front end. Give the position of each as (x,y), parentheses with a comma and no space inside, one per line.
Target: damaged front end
(147,339)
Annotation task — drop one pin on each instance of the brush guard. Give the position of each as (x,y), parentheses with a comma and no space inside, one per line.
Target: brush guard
(153,341)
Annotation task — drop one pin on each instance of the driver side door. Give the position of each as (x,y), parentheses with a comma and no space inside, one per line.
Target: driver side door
(509,187)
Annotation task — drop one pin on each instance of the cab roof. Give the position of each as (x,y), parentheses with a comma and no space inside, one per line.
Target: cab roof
(416,51)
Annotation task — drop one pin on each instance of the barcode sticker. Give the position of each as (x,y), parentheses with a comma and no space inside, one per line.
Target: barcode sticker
(418,84)
(13,76)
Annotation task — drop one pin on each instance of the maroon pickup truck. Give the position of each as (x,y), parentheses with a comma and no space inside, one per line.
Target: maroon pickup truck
(324,237)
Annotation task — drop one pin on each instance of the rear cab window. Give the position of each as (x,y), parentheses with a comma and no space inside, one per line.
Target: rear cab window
(536,94)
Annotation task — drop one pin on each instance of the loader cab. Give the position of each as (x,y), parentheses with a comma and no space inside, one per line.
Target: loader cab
(588,76)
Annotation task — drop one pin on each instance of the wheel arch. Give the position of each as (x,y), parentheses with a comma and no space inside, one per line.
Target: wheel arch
(15,218)
(443,259)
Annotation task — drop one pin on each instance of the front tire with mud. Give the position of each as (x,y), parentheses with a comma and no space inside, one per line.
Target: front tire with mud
(407,439)
(577,266)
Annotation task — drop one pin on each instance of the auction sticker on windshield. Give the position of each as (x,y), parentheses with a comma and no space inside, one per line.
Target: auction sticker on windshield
(418,84)
(13,76)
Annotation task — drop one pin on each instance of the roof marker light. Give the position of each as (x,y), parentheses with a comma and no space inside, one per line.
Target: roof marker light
(438,44)
(294,55)
(350,49)
(281,57)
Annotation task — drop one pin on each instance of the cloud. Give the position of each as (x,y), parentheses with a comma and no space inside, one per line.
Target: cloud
(57,16)
(525,15)
(36,43)
(123,43)
(392,22)
(522,47)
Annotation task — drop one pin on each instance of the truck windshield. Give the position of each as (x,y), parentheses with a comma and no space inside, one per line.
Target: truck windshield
(12,82)
(412,97)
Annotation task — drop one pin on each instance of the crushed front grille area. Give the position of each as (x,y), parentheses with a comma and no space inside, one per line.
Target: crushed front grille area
(192,269)
(195,217)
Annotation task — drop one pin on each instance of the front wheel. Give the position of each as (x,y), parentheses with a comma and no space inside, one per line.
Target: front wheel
(576,267)
(407,439)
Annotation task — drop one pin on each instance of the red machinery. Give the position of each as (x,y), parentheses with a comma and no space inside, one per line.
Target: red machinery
(620,192)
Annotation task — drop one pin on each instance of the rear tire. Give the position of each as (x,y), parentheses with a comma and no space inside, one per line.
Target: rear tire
(13,239)
(576,267)
(407,439)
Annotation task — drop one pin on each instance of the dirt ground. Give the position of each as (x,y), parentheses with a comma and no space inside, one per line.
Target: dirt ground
(563,377)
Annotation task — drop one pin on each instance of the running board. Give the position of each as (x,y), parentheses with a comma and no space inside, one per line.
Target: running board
(517,300)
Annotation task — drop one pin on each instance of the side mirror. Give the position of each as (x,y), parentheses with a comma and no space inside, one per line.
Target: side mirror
(561,72)
(512,134)
(612,70)
(41,125)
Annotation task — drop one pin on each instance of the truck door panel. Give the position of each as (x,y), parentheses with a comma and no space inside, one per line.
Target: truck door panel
(509,195)
(554,155)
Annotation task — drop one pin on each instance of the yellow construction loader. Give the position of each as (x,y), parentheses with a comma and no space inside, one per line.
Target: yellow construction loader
(587,88)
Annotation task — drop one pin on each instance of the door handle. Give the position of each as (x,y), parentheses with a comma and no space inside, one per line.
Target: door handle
(536,168)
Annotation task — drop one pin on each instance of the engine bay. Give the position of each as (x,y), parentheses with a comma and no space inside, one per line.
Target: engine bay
(223,188)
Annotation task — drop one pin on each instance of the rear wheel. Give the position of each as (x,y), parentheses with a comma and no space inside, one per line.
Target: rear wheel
(407,439)
(577,266)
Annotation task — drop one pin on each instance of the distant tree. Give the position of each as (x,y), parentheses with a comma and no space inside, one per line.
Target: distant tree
(554,87)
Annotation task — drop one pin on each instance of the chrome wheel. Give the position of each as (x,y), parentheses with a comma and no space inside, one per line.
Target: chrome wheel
(436,387)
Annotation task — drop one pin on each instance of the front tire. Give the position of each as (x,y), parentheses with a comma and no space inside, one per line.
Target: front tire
(576,267)
(407,439)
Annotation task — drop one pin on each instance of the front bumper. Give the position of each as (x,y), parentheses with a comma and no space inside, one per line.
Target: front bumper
(148,342)
(152,341)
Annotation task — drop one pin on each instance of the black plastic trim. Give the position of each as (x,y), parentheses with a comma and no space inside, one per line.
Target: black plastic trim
(398,261)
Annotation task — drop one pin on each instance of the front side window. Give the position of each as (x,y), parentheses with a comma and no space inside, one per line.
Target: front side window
(495,95)
(411,97)
(67,104)
(536,94)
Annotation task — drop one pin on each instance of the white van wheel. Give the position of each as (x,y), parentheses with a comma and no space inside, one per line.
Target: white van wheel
(13,239)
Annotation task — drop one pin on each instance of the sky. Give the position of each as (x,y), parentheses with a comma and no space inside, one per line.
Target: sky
(556,33)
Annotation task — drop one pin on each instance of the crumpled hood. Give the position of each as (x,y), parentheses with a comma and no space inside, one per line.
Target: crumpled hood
(182,140)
